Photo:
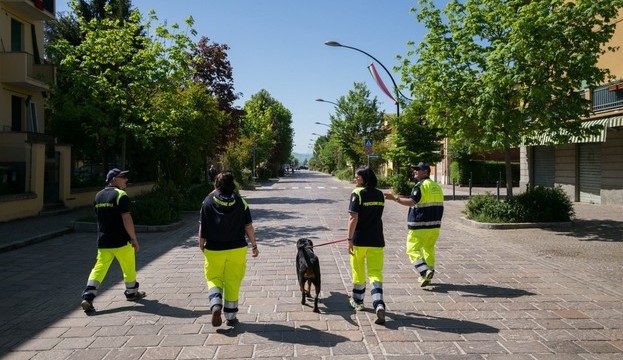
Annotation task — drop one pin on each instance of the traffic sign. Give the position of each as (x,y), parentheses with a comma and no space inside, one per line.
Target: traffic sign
(367,146)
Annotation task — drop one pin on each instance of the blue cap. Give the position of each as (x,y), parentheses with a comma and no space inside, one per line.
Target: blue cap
(420,166)
(113,173)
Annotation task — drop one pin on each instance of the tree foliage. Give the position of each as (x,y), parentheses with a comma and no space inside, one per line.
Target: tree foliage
(213,70)
(356,118)
(497,73)
(268,124)
(413,140)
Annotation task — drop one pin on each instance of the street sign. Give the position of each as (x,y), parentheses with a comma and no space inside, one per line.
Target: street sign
(373,156)
(367,146)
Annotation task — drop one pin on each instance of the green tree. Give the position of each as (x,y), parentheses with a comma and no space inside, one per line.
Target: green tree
(108,81)
(413,139)
(356,118)
(497,73)
(268,124)
(183,129)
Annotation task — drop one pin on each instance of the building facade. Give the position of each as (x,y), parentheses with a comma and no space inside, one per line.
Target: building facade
(589,169)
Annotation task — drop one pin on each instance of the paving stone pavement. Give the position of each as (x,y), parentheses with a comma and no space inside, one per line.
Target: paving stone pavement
(497,294)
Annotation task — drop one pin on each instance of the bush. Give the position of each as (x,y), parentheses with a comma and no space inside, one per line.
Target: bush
(400,184)
(544,204)
(539,205)
(193,196)
(159,207)
(384,182)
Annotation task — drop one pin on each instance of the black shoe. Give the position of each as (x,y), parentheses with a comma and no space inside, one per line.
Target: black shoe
(380,315)
(87,306)
(136,296)
(216,317)
(232,322)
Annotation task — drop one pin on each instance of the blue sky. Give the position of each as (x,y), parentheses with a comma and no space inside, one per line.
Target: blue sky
(278,45)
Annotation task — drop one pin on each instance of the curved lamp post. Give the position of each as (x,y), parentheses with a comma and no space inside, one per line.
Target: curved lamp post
(327,101)
(398,93)
(319,123)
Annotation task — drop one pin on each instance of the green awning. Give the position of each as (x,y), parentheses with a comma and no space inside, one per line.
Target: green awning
(599,137)
(616,121)
(545,138)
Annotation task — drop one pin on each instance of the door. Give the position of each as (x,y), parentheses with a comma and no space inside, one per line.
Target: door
(544,166)
(590,173)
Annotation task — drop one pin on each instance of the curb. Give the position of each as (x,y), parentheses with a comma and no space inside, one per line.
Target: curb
(90,227)
(35,239)
(507,226)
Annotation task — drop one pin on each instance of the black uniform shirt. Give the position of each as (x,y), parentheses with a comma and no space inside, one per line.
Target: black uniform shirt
(110,203)
(223,220)
(368,203)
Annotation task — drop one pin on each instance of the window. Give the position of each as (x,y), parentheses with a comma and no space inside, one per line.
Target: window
(16,36)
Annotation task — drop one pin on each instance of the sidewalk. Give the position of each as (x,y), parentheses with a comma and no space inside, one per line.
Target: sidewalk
(497,294)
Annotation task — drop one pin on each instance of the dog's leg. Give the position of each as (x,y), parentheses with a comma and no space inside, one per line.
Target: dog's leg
(308,291)
(317,288)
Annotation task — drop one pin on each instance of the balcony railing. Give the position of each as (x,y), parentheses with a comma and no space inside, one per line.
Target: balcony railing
(32,9)
(608,97)
(19,68)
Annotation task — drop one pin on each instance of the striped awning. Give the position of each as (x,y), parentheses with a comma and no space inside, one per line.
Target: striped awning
(599,137)
(545,138)
(616,121)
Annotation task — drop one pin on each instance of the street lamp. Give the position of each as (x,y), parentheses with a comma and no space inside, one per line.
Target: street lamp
(327,101)
(398,93)
(319,123)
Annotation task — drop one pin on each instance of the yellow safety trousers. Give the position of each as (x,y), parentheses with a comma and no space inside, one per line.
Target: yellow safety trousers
(370,256)
(225,269)
(421,245)
(125,257)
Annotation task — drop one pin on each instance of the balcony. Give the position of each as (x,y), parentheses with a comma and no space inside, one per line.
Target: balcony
(607,98)
(19,69)
(32,9)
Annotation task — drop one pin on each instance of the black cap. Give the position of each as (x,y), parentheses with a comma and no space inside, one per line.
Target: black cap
(114,173)
(420,166)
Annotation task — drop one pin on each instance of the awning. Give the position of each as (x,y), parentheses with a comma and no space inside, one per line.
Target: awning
(599,137)
(545,138)
(616,121)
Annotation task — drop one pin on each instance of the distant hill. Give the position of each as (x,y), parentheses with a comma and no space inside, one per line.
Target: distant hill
(301,157)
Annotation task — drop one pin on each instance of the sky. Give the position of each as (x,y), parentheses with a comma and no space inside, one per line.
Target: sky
(278,45)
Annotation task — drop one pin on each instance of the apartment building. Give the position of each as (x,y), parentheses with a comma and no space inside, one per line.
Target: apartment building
(589,169)
(29,160)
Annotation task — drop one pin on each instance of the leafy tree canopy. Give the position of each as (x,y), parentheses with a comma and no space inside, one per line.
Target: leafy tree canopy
(498,72)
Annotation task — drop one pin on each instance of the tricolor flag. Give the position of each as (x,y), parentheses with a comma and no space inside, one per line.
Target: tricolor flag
(379,81)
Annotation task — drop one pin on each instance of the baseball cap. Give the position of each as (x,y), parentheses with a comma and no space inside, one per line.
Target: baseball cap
(420,166)
(114,173)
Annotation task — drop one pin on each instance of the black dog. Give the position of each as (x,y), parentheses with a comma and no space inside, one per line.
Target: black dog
(308,270)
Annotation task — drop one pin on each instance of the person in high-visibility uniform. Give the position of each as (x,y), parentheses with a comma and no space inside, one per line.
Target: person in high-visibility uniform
(225,219)
(116,239)
(366,241)
(424,221)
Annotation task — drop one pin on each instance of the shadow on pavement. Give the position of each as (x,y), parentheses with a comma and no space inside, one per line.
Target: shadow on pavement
(337,303)
(286,334)
(413,320)
(478,290)
(154,307)
(287,200)
(595,230)
(284,235)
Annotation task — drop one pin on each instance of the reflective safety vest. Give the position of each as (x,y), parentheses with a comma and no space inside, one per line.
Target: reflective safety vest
(428,210)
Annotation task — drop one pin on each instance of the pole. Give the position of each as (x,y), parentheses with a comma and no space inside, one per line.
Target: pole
(398,93)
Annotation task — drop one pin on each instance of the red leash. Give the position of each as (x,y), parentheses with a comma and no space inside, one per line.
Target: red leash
(331,242)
